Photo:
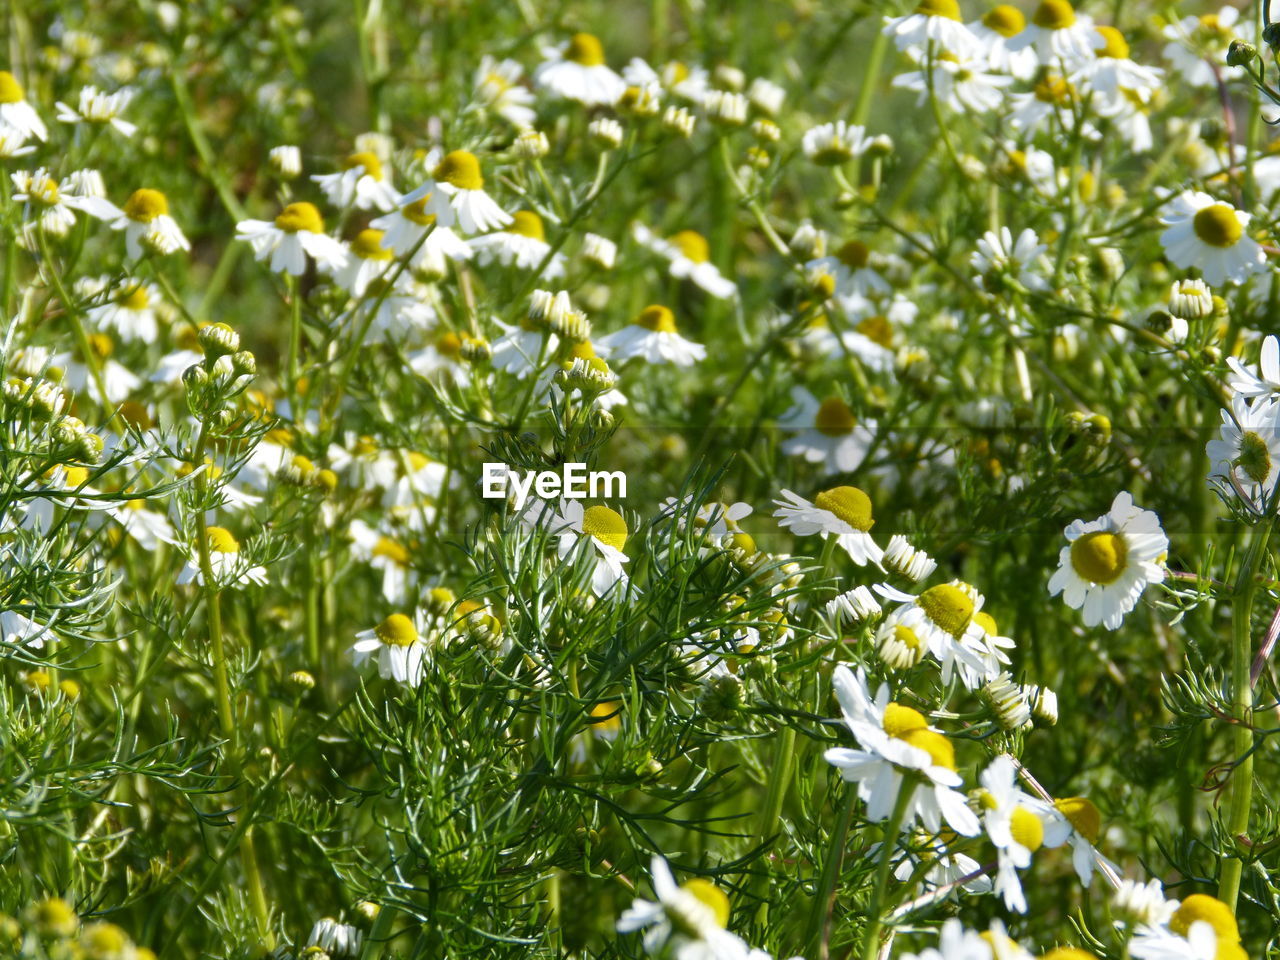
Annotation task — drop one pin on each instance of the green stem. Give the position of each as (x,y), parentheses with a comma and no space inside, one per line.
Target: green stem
(871,942)
(830,871)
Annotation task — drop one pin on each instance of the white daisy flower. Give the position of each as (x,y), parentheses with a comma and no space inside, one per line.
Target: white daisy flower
(831,144)
(841,512)
(935,22)
(521,346)
(898,750)
(713,520)
(1262,381)
(522,244)
(690,258)
(1018,825)
(1201,928)
(1112,76)
(1109,561)
(1210,235)
(130,312)
(498,88)
(286,160)
(1023,260)
(1051,96)
(54,204)
(853,269)
(369,260)
(1060,36)
(399,645)
(384,554)
(15,112)
(229,568)
(576,70)
(1246,455)
(688,83)
(458,185)
(406,227)
(827,432)
(959,85)
(13,143)
(298,230)
(1198,45)
(1142,904)
(336,939)
(606,531)
(902,558)
(101,108)
(1085,824)
(117,380)
(148,528)
(653,337)
(944,618)
(685,922)
(146,224)
(418,478)
(997,27)
(957,943)
(21,630)
(362,181)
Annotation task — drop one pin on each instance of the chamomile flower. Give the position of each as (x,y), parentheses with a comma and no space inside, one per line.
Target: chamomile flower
(362,181)
(653,337)
(117,380)
(690,258)
(688,83)
(15,112)
(1085,824)
(944,617)
(498,88)
(1062,37)
(298,230)
(994,30)
(335,939)
(1210,235)
(958,84)
(229,567)
(1112,75)
(412,225)
(97,107)
(999,256)
(399,645)
(841,512)
(873,332)
(20,630)
(148,528)
(1142,904)
(902,558)
(1197,46)
(853,268)
(1260,381)
(1018,825)
(576,70)
(898,750)
(685,922)
(827,432)
(13,143)
(957,943)
(933,22)
(1201,928)
(522,244)
(1109,561)
(384,554)
(457,184)
(521,346)
(130,311)
(368,260)
(54,204)
(605,530)
(854,607)
(832,144)
(146,223)
(1051,96)
(1246,456)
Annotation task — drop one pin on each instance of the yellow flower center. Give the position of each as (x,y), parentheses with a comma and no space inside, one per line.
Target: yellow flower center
(76,476)
(1082,815)
(1255,457)
(876,329)
(583,350)
(393,551)
(834,418)
(527,224)
(1099,557)
(460,169)
(299,218)
(145,205)
(397,631)
(656,318)
(849,504)
(1053,89)
(939,748)
(693,245)
(372,165)
(10,90)
(416,212)
(900,720)
(136,298)
(585,49)
(949,607)
(1068,953)
(987,623)
(854,254)
(1212,26)
(605,525)
(607,716)
(1116,46)
(907,637)
(368,246)
(449,344)
(1217,225)
(1027,829)
(1207,909)
(939,8)
(221,540)
(1054,15)
(104,940)
(1005,20)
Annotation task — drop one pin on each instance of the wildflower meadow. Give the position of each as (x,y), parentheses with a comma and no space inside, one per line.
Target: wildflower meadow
(697,480)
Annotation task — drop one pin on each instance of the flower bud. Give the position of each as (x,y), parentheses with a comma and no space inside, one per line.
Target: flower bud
(218,340)
(1241,54)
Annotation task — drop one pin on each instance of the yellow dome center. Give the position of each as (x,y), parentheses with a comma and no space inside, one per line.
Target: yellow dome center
(1053,89)
(1005,20)
(849,504)
(221,540)
(877,329)
(449,344)
(1082,815)
(1218,226)
(10,89)
(949,607)
(1115,46)
(527,224)
(585,49)
(834,418)
(939,748)
(1027,829)
(301,217)
(900,720)
(693,245)
(397,631)
(393,551)
(1054,15)
(987,623)
(136,298)
(939,8)
(712,896)
(416,212)
(368,246)
(1099,557)
(907,637)
(656,318)
(1255,457)
(372,165)
(145,205)
(1207,909)
(1068,953)
(460,169)
(854,254)
(605,525)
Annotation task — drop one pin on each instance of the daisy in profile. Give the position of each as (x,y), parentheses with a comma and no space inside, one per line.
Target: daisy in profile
(1210,235)
(944,619)
(399,646)
(933,22)
(15,112)
(522,244)
(688,83)
(1085,823)
(385,554)
(1260,381)
(146,224)
(576,70)
(458,184)
(686,921)
(1018,825)
(54,204)
(898,750)
(229,568)
(1246,456)
(521,346)
(1200,928)
(690,258)
(831,144)
(959,85)
(653,337)
(605,530)
(362,181)
(1112,75)
(1000,256)
(994,30)
(1108,562)
(827,432)
(412,225)
(1060,36)
(129,312)
(1197,47)
(957,943)
(147,528)
(100,108)
(298,230)
(852,269)
(498,89)
(369,260)
(841,512)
